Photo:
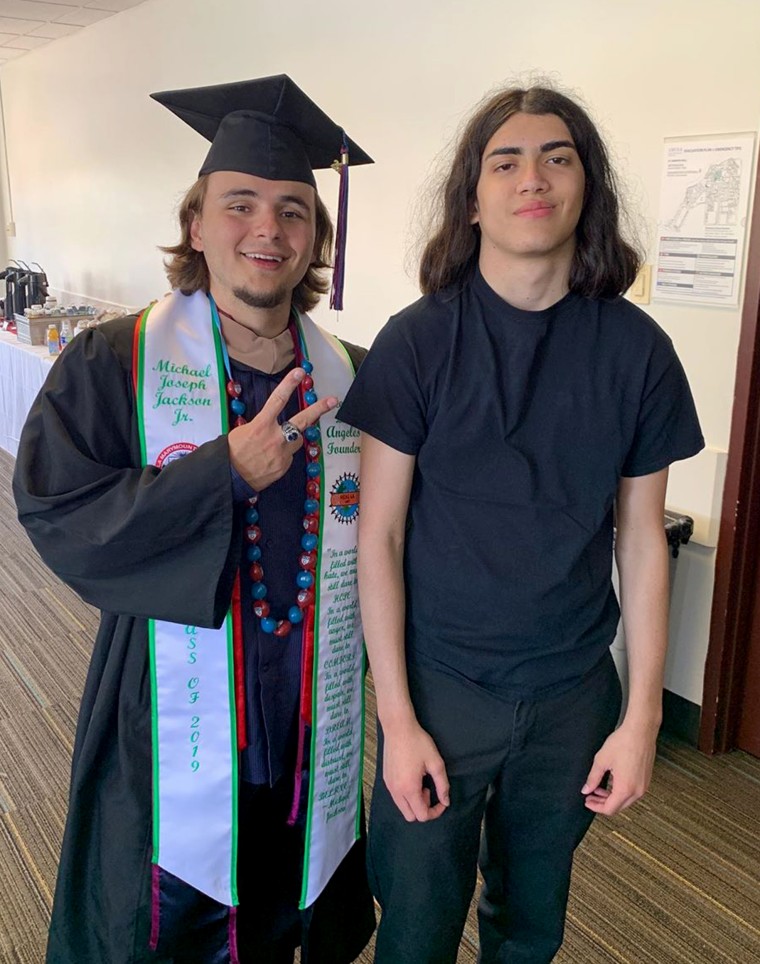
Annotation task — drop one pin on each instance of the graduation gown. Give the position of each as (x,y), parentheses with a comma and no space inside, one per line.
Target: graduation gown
(136,543)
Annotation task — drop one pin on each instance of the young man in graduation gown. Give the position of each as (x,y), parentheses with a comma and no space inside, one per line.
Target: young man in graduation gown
(506,416)
(173,472)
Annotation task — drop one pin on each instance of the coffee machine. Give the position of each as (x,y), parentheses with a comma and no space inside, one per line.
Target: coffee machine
(11,275)
(35,286)
(24,287)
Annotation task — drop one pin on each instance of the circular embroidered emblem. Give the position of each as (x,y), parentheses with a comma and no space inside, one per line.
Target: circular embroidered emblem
(344,498)
(173,452)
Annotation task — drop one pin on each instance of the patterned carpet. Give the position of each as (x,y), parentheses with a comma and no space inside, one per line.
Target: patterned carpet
(675,880)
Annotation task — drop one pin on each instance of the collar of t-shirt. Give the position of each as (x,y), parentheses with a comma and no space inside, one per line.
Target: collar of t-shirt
(493,302)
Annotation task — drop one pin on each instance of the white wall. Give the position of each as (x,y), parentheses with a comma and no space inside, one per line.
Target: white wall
(96,168)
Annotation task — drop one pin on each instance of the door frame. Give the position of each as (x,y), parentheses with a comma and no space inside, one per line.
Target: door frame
(739,532)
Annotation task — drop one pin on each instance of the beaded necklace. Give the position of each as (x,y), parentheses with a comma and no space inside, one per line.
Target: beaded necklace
(307,559)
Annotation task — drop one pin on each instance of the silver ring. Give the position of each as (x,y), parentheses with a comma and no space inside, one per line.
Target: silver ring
(289,432)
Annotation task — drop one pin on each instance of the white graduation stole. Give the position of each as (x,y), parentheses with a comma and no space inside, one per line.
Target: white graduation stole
(337,734)
(181,401)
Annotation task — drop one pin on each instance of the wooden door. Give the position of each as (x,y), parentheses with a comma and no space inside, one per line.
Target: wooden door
(748,728)
(731,697)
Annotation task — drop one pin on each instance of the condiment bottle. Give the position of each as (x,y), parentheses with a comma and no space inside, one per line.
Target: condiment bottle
(66,333)
(52,340)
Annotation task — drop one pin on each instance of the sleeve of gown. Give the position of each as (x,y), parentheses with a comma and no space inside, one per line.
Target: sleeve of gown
(137,541)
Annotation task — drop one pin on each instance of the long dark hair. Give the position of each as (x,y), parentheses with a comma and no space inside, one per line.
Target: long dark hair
(604,264)
(186,268)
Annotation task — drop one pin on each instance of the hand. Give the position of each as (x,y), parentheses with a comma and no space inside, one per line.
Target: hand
(409,755)
(627,755)
(258,450)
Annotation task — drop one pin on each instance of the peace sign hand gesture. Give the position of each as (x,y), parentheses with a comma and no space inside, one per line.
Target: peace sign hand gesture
(259,451)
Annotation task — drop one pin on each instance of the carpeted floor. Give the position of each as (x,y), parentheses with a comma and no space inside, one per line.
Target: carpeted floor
(674,880)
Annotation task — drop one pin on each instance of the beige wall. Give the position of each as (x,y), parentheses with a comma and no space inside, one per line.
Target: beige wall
(96,168)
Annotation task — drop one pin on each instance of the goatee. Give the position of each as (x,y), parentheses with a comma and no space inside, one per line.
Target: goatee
(270,299)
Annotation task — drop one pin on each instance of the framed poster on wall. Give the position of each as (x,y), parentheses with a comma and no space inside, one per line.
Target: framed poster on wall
(702,221)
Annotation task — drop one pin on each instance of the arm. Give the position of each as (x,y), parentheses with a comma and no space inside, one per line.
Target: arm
(126,538)
(131,539)
(642,558)
(409,753)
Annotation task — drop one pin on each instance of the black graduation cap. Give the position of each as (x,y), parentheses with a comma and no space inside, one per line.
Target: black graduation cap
(267,127)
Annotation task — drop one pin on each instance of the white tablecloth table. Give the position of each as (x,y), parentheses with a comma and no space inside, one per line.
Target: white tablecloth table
(23,369)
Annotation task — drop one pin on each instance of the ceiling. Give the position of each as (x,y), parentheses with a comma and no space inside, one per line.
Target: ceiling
(28,24)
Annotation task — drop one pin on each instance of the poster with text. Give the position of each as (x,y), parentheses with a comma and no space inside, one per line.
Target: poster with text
(703,219)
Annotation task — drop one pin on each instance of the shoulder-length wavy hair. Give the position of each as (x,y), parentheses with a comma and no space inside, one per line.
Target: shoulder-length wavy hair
(604,264)
(186,268)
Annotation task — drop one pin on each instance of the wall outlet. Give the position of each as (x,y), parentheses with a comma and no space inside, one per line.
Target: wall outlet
(10,229)
(640,289)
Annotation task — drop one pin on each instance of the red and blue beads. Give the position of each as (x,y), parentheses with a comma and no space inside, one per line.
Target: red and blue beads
(308,556)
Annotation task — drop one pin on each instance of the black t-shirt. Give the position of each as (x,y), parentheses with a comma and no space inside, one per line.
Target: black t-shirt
(522,423)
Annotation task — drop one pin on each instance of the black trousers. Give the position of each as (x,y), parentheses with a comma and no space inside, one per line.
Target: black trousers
(334,930)
(516,771)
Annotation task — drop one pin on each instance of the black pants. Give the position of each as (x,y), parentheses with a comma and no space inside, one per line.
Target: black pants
(334,930)
(516,769)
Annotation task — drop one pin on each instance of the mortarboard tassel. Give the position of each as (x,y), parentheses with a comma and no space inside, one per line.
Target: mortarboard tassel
(339,260)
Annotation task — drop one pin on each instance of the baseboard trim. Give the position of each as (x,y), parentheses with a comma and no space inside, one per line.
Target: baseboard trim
(680,717)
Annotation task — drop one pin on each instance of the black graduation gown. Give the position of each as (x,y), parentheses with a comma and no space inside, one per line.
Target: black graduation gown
(136,543)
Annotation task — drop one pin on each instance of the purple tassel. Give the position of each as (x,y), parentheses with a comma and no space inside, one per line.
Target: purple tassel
(339,266)
(232,932)
(155,905)
(296,805)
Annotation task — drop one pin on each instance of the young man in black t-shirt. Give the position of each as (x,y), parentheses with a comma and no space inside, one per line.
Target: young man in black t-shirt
(506,415)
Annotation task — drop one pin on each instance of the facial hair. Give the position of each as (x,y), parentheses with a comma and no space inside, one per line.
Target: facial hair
(270,299)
